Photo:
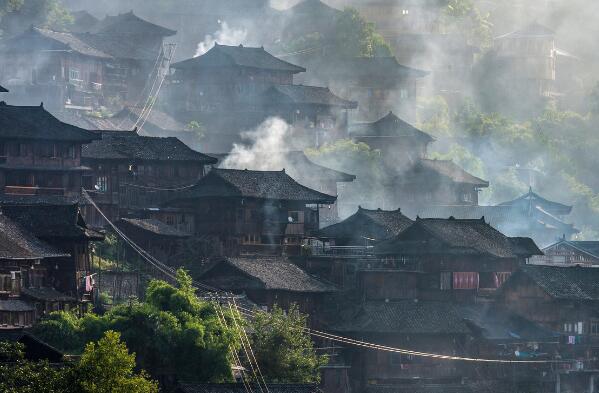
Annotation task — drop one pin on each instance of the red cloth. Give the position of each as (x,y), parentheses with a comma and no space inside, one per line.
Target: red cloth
(465,280)
(88,284)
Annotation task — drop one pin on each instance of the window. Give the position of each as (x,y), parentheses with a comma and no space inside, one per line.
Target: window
(102,184)
(465,280)
(467,197)
(403,93)
(74,74)
(3,152)
(405,12)
(445,281)
(594,327)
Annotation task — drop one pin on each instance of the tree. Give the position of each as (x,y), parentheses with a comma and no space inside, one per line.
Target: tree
(173,331)
(462,16)
(17,15)
(108,367)
(283,348)
(355,37)
(18,375)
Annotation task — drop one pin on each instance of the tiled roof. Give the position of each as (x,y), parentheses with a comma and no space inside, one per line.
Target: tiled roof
(568,283)
(273,274)
(17,243)
(273,185)
(15,305)
(451,236)
(155,227)
(3,89)
(452,171)
(47,294)
(34,122)
(524,246)
(122,46)
(130,24)
(494,323)
(239,56)
(50,220)
(45,39)
(591,247)
(405,317)
(388,126)
(310,95)
(372,224)
(298,166)
(532,200)
(132,146)
(239,388)
(127,117)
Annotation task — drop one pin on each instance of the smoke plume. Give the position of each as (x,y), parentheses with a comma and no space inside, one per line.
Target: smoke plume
(265,150)
(225,36)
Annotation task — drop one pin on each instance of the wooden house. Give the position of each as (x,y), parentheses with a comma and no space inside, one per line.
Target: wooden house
(159,239)
(250,85)
(529,58)
(301,168)
(39,154)
(417,325)
(400,143)
(529,215)
(569,253)
(346,248)
(23,269)
(433,182)
(229,78)
(83,70)
(252,211)
(446,258)
(61,225)
(268,282)
(564,300)
(317,114)
(377,84)
(130,172)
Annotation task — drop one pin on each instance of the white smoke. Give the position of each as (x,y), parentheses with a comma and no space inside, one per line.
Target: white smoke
(225,36)
(266,149)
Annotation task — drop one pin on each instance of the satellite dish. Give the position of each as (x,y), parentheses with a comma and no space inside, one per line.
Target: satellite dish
(97,187)
(290,219)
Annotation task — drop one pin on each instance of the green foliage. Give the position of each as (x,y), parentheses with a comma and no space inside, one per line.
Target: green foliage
(107,367)
(355,37)
(17,15)
(359,159)
(433,116)
(283,349)
(463,16)
(197,128)
(172,331)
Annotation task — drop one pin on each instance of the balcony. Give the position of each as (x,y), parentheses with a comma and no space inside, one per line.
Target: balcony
(19,190)
(324,250)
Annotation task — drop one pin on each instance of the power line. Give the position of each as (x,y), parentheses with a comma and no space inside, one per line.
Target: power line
(171,55)
(216,293)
